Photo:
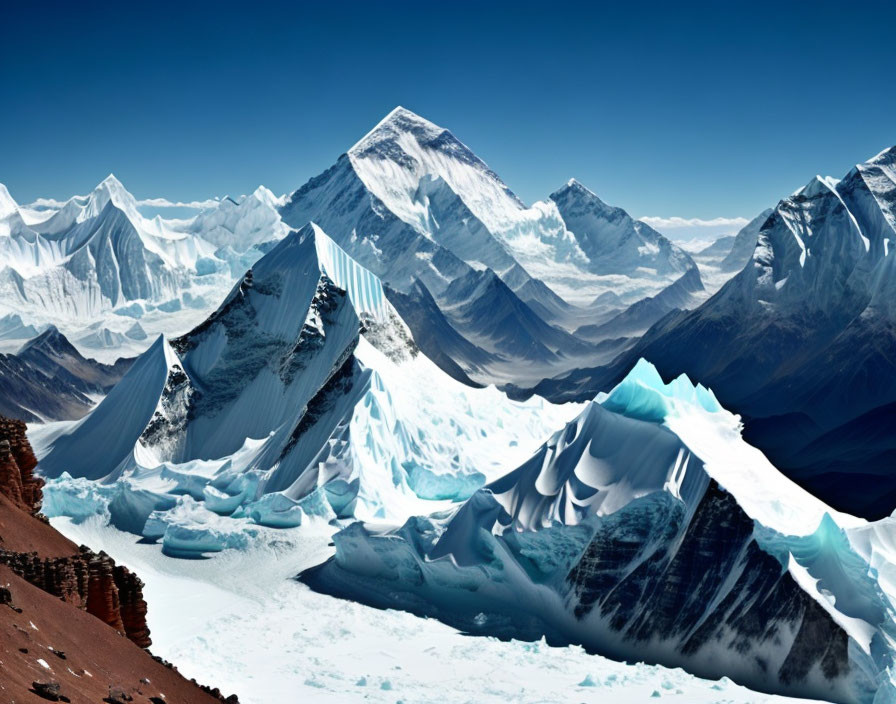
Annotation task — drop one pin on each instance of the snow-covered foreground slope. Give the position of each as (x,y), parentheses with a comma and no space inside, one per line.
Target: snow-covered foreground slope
(242,621)
(647,529)
(304,393)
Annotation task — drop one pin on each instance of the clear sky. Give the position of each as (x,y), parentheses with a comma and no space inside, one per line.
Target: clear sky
(692,110)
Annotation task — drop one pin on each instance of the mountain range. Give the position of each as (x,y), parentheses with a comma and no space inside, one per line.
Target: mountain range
(409,202)
(527,421)
(801,341)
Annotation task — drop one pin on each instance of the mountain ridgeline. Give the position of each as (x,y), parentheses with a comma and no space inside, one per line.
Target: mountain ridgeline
(381,357)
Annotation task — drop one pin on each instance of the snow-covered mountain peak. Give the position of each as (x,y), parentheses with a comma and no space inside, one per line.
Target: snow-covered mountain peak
(110,189)
(644,436)
(420,174)
(405,151)
(266,196)
(50,338)
(643,394)
(611,239)
(575,185)
(398,122)
(826,246)
(577,190)
(8,206)
(819,185)
(885,158)
(78,209)
(243,223)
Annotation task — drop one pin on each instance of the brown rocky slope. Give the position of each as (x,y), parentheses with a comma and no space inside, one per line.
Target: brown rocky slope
(72,622)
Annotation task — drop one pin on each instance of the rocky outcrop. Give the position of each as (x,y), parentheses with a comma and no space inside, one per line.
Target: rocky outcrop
(92,582)
(17,463)
(132,605)
(88,580)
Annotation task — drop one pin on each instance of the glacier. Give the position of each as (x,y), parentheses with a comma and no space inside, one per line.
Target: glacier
(647,529)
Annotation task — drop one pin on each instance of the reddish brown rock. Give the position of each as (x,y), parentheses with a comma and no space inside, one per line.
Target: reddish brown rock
(10,475)
(132,606)
(71,595)
(17,463)
(90,581)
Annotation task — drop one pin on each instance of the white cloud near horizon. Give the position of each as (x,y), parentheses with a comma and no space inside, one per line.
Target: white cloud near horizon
(696,229)
(42,203)
(677,222)
(165,203)
(46,203)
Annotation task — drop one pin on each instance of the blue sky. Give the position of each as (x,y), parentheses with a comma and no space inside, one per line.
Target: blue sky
(691,110)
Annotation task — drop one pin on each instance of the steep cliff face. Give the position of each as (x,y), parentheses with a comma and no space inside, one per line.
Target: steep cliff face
(90,581)
(17,463)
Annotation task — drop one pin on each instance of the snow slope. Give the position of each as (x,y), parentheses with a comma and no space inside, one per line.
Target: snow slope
(647,529)
(304,393)
(242,621)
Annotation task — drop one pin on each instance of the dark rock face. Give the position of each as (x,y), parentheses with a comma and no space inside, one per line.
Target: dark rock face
(682,589)
(661,580)
(50,378)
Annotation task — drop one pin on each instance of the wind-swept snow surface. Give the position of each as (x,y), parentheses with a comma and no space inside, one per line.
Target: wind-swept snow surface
(242,621)
(646,529)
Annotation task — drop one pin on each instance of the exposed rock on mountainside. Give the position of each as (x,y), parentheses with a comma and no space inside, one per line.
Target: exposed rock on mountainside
(48,379)
(801,342)
(90,581)
(17,463)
